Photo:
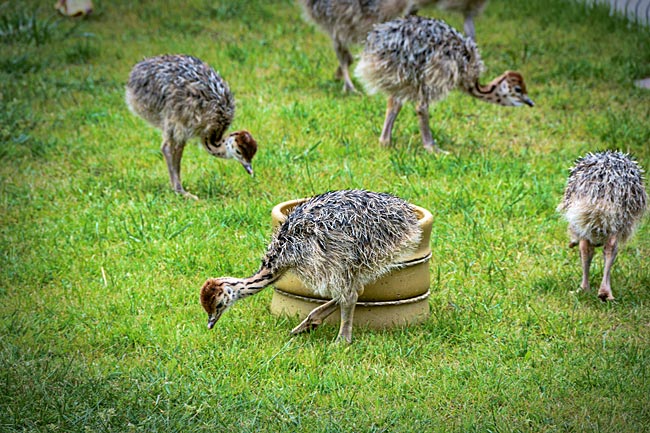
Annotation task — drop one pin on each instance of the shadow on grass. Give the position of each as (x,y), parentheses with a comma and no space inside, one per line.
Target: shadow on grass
(628,291)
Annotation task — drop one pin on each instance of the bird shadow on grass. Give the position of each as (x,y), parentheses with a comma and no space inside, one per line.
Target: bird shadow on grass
(408,139)
(211,187)
(565,286)
(333,88)
(215,187)
(626,290)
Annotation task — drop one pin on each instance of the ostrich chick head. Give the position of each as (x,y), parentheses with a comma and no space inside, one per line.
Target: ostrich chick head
(238,145)
(242,147)
(511,90)
(217,295)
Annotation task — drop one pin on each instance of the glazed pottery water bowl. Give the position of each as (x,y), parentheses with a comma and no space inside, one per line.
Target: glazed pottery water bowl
(398,298)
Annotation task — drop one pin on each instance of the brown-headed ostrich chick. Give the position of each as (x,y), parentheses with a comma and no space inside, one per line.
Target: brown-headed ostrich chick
(421,60)
(469,9)
(604,202)
(348,22)
(335,243)
(184,97)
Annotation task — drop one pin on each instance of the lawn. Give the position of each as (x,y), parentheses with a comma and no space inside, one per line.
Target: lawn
(101,263)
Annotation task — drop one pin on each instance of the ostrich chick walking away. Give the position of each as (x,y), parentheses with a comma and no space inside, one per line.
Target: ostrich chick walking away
(469,9)
(603,202)
(185,98)
(348,22)
(335,243)
(421,60)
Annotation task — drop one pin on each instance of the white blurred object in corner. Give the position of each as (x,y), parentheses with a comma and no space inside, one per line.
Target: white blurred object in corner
(74,8)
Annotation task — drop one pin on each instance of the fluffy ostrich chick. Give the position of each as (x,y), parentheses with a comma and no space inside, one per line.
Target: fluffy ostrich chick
(347,22)
(184,97)
(604,202)
(469,9)
(421,60)
(335,243)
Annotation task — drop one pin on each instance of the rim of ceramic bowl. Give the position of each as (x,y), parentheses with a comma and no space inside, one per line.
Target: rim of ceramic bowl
(281,211)
(359,303)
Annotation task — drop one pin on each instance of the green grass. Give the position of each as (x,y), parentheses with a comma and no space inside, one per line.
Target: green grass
(100,263)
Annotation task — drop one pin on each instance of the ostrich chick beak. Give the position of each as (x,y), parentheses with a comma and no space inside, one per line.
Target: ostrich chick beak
(248,167)
(527,101)
(212,321)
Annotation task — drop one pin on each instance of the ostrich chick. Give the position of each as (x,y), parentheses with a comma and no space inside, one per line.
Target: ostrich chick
(604,202)
(348,22)
(469,9)
(421,60)
(335,243)
(185,98)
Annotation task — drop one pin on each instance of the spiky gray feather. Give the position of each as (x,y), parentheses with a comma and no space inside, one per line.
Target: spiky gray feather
(348,21)
(182,95)
(604,196)
(339,240)
(418,59)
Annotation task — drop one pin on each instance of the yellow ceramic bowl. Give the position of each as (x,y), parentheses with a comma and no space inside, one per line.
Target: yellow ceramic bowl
(376,315)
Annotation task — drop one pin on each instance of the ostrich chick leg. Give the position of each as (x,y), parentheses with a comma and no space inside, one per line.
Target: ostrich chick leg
(347,317)
(586,254)
(345,60)
(392,110)
(610,250)
(468,26)
(316,317)
(427,138)
(173,152)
